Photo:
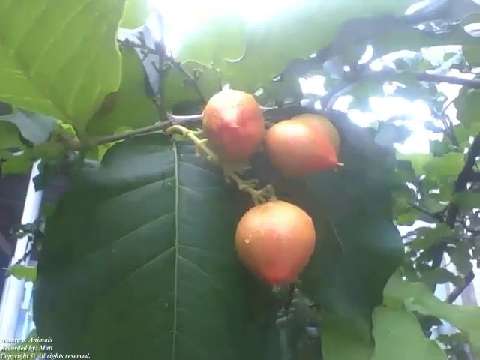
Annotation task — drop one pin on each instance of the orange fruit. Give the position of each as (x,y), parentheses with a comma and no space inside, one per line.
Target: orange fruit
(234,125)
(275,241)
(302,145)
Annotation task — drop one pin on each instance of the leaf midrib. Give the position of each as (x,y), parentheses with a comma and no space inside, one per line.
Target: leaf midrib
(175,244)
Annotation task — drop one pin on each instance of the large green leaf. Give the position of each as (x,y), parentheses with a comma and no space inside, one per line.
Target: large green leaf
(130,107)
(59,57)
(398,336)
(135,14)
(263,49)
(139,262)
(416,297)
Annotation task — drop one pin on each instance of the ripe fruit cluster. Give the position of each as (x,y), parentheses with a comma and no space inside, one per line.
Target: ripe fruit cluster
(275,239)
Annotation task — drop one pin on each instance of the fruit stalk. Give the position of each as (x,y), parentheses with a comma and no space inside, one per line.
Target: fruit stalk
(258,195)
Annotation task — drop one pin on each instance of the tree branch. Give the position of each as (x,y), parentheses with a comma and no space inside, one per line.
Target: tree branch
(434,216)
(435,78)
(475,176)
(466,175)
(157,127)
(389,75)
(459,290)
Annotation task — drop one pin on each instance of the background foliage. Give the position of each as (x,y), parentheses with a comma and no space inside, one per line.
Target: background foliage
(137,258)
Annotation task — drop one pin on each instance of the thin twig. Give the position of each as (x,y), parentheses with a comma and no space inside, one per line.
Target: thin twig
(447,123)
(157,127)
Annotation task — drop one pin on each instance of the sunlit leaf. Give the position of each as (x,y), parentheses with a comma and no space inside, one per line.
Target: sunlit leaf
(295,30)
(130,107)
(9,136)
(135,14)
(56,59)
(416,297)
(23,272)
(398,336)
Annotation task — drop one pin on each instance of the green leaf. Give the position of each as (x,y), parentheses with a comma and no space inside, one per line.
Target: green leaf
(341,341)
(427,237)
(465,133)
(439,276)
(130,107)
(18,164)
(56,59)
(460,256)
(470,50)
(23,272)
(417,297)
(447,166)
(36,128)
(220,39)
(418,161)
(467,201)
(467,105)
(398,336)
(139,262)
(179,89)
(135,14)
(9,136)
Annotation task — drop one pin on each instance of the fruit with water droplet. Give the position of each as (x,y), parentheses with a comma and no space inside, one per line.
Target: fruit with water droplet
(234,125)
(302,145)
(275,241)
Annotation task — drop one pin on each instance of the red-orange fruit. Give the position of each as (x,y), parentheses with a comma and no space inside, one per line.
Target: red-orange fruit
(275,241)
(302,145)
(234,125)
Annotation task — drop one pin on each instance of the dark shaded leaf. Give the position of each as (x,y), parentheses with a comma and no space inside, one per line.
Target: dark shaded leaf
(144,245)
